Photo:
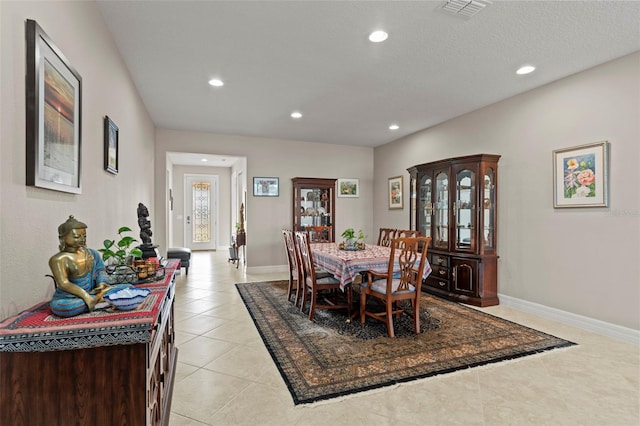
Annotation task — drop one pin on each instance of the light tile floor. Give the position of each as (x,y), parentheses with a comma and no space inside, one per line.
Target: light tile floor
(225,375)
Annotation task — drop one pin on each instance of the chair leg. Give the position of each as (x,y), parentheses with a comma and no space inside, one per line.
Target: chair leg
(290,290)
(390,319)
(312,305)
(363,304)
(303,302)
(416,317)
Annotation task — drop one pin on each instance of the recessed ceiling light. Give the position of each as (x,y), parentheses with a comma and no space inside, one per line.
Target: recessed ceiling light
(378,36)
(204,160)
(394,127)
(526,69)
(216,82)
(296,114)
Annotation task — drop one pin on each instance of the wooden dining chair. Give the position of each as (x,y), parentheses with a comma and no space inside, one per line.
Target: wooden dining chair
(320,234)
(385,236)
(315,286)
(391,290)
(293,262)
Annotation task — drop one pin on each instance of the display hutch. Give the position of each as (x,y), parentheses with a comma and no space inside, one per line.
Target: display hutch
(454,201)
(314,203)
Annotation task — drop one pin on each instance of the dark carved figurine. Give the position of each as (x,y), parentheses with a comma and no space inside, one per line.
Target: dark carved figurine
(145,225)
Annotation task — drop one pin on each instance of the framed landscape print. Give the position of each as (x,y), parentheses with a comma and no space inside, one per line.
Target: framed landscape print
(111,135)
(266,187)
(348,188)
(53,115)
(395,192)
(581,176)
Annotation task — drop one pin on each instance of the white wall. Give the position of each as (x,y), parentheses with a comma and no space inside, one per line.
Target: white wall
(584,261)
(29,216)
(266,216)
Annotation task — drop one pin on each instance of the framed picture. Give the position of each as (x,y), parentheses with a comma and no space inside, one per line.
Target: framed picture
(266,187)
(581,176)
(111,134)
(395,192)
(348,188)
(53,115)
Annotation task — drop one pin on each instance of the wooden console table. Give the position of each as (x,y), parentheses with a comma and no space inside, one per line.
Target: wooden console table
(99,368)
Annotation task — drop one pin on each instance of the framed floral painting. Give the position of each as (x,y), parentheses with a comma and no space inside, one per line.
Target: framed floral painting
(349,188)
(395,192)
(581,176)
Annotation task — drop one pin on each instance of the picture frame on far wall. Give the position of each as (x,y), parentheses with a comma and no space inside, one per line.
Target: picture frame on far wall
(395,192)
(266,187)
(53,115)
(581,176)
(111,140)
(348,188)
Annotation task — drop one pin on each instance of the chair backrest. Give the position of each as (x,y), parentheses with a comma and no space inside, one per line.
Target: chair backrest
(292,256)
(320,234)
(407,233)
(411,261)
(385,236)
(304,252)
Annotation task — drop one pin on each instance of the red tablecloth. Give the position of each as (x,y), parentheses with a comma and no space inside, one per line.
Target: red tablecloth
(346,265)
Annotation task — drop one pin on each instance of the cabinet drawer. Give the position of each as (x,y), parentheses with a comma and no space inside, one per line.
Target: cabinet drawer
(439,260)
(439,272)
(439,283)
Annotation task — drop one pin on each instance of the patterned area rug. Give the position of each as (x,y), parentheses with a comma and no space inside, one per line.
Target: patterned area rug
(331,357)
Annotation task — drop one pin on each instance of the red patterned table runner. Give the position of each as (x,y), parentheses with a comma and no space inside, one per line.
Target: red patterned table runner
(37,329)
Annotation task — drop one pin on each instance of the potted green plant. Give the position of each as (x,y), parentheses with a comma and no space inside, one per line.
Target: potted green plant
(121,251)
(352,239)
(118,256)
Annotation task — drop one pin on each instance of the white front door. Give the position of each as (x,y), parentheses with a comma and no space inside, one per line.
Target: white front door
(201,211)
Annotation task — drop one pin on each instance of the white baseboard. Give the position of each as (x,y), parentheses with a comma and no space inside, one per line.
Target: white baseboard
(625,334)
(267,269)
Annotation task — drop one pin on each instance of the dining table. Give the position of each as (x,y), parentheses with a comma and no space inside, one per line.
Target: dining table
(347,265)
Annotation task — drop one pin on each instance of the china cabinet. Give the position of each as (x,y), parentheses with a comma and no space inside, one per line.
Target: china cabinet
(454,201)
(314,203)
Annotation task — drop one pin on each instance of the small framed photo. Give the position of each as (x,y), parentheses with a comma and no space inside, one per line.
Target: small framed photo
(266,187)
(111,135)
(53,118)
(581,176)
(395,192)
(348,188)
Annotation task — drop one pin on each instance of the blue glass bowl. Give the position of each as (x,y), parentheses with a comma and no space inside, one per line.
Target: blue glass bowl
(127,298)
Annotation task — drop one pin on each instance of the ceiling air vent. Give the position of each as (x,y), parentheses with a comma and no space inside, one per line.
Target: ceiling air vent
(464,8)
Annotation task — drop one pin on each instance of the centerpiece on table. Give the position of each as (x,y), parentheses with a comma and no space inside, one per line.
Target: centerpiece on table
(352,240)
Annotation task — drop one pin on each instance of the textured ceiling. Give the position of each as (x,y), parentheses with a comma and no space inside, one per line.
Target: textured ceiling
(314,56)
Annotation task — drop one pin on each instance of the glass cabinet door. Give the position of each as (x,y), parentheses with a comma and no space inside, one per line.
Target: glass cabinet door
(488,210)
(425,206)
(464,210)
(413,203)
(441,216)
(315,207)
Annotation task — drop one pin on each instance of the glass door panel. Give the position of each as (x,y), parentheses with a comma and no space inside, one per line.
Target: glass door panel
(441,216)
(315,207)
(426,206)
(488,210)
(413,203)
(464,209)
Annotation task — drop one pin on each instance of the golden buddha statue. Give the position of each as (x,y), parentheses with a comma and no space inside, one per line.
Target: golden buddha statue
(78,271)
